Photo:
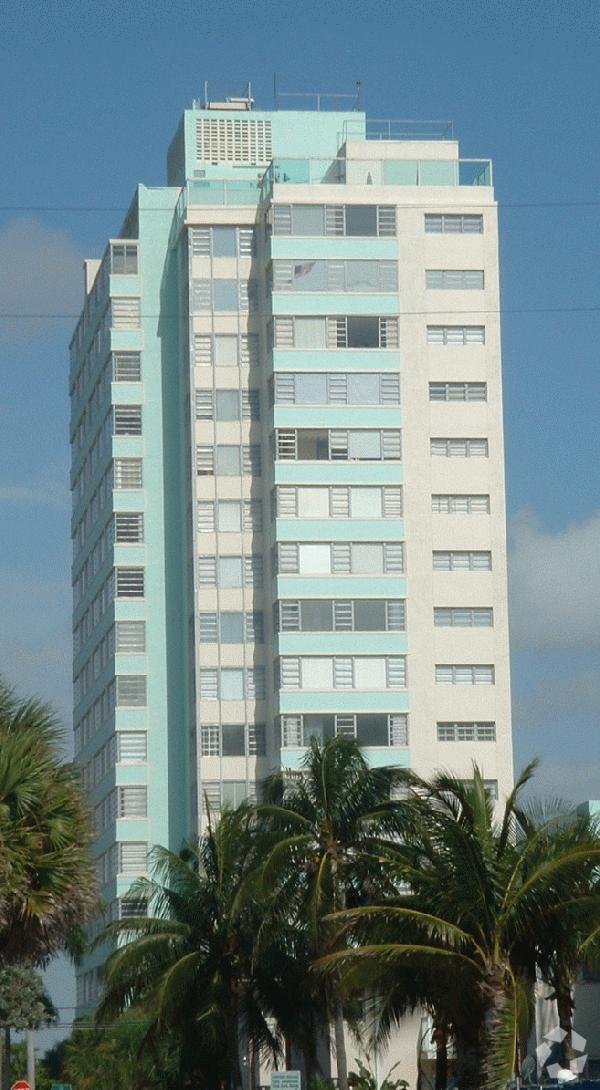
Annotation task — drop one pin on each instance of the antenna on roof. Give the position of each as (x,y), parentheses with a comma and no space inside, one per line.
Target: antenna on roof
(359,86)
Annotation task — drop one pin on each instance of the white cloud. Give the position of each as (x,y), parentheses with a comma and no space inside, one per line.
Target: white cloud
(40,274)
(554,585)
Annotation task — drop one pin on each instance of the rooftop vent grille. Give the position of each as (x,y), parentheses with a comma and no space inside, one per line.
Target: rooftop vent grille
(233,140)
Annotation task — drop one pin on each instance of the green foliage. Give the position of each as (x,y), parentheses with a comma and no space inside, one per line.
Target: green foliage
(365,1079)
(24,1003)
(47,883)
(118,1057)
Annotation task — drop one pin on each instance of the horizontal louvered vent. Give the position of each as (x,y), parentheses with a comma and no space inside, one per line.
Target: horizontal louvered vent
(231,140)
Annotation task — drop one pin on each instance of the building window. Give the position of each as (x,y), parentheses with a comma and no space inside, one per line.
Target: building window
(342,672)
(458,391)
(127,420)
(340,557)
(466,732)
(133,857)
(128,473)
(129,528)
(124,258)
(222,241)
(125,312)
(317,220)
(338,501)
(232,627)
(226,350)
(320,444)
(131,746)
(227,405)
(132,801)
(462,560)
(223,295)
(341,615)
(233,740)
(130,582)
(369,730)
(455,334)
(459,448)
(131,691)
(316,333)
(130,637)
(229,516)
(335,276)
(464,675)
(232,684)
(450,279)
(463,617)
(126,367)
(460,505)
(336,388)
(453,224)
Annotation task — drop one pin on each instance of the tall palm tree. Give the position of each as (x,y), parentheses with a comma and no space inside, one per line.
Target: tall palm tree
(480,892)
(47,881)
(323,832)
(189,965)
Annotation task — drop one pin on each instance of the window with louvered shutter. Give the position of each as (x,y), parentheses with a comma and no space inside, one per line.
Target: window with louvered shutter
(291,730)
(453,224)
(133,801)
(392,503)
(287,444)
(337,388)
(338,445)
(250,405)
(201,295)
(207,628)
(246,241)
(460,504)
(257,742)
(253,515)
(125,312)
(335,223)
(203,350)
(127,473)
(251,460)
(205,460)
(129,528)
(131,637)
(249,354)
(391,445)
(343,615)
(131,690)
(393,557)
(133,857)
(127,420)
(339,501)
(395,616)
(286,501)
(396,671)
(390,389)
(210,740)
(204,405)
(282,219)
(458,391)
(449,279)
(386,220)
(130,582)
(289,616)
(206,517)
(253,571)
(289,669)
(200,241)
(340,558)
(287,558)
(207,571)
(388,332)
(126,367)
(208,684)
(343,673)
(131,746)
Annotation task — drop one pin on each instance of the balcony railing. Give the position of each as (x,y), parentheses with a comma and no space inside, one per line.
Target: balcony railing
(413,172)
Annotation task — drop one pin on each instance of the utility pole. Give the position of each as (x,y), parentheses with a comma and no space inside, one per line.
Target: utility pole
(31,1058)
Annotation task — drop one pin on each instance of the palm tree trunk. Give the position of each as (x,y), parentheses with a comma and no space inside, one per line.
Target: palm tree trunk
(6,1080)
(564,1008)
(340,1048)
(31,1058)
(440,1039)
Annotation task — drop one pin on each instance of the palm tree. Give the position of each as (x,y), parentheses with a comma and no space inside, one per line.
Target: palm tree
(47,881)
(480,893)
(189,966)
(323,832)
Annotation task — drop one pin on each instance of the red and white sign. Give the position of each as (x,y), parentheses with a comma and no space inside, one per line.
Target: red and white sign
(20,1084)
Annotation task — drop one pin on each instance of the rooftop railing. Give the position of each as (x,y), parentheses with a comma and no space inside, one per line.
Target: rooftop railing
(413,172)
(380,129)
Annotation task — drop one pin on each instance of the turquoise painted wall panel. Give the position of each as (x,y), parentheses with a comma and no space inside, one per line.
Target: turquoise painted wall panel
(128,609)
(341,643)
(132,774)
(368,473)
(342,700)
(336,416)
(346,586)
(363,249)
(132,719)
(122,340)
(131,664)
(129,554)
(124,285)
(341,303)
(133,829)
(127,393)
(339,530)
(129,499)
(338,359)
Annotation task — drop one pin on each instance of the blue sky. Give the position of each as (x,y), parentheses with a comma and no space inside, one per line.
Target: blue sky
(91,97)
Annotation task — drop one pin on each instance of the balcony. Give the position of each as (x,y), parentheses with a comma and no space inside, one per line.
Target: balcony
(405,172)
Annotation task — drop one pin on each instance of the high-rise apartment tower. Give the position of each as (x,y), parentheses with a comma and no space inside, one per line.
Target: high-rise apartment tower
(287,473)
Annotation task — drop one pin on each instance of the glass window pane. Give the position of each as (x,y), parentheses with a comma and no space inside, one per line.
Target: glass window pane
(320,727)
(316,616)
(232,627)
(226,350)
(363,389)
(308,276)
(230,571)
(369,616)
(317,673)
(308,219)
(313,503)
(314,559)
(365,503)
(361,219)
(225,294)
(310,333)
(367,559)
(228,405)
(311,389)
(372,730)
(232,684)
(232,740)
(369,673)
(224,241)
(228,463)
(365,445)
(229,515)
(361,276)
(363,332)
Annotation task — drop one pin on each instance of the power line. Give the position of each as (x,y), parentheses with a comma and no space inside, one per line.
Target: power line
(123,210)
(24,316)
